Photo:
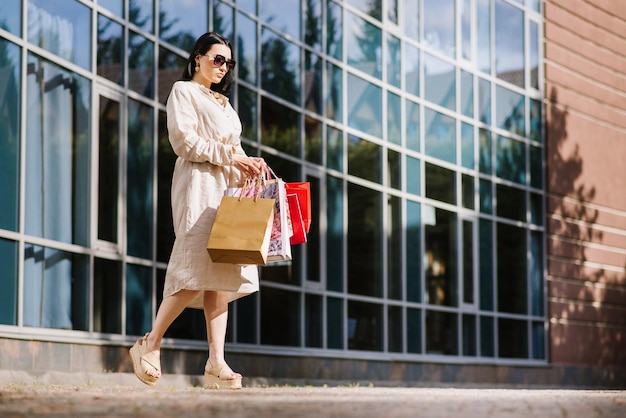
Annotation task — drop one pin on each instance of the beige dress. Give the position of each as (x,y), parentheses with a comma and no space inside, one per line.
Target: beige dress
(203,133)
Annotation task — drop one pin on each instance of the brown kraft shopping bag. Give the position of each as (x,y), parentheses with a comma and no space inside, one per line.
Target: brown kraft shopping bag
(241,231)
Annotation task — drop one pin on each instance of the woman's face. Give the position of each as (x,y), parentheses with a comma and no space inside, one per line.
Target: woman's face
(210,72)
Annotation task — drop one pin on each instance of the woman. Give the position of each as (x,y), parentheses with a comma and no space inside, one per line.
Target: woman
(204,131)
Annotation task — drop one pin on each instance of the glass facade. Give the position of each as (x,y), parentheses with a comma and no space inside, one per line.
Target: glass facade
(417,122)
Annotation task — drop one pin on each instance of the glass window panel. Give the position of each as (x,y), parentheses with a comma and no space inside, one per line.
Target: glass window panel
(335,234)
(511,203)
(10,99)
(512,338)
(372,8)
(280,68)
(246,49)
(485,196)
(394,169)
(110,60)
(467,94)
(483,35)
(467,191)
(484,101)
(535,130)
(533,54)
(334,93)
(365,106)
(138,299)
(334,30)
(282,15)
(116,6)
(177,18)
(364,159)
(468,262)
(469,335)
(510,113)
(394,329)
(509,43)
(223,18)
(466,29)
(11,19)
(392,11)
(394,248)
(313,23)
(280,127)
(170,68)
(440,183)
(512,269)
(365,326)
(413,252)
(247,5)
(440,241)
(536,274)
(394,119)
(313,81)
(439,24)
(313,140)
(442,333)
(440,136)
(538,340)
(140,183)
(248,113)
(484,151)
(536,209)
(511,159)
(394,75)
(166,160)
(411,69)
(57,153)
(411,17)
(485,264)
(107,296)
(141,14)
(61,27)
(334,149)
(8,284)
(282,307)
(56,289)
(108,169)
(439,82)
(467,146)
(313,327)
(413,126)
(140,65)
(364,45)
(246,329)
(335,318)
(536,167)
(413,175)
(365,234)
(414,330)
(487,337)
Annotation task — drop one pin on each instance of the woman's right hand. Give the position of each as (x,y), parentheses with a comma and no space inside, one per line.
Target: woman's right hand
(249,166)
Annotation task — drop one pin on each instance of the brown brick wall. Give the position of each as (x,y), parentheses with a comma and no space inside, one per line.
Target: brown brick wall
(585,106)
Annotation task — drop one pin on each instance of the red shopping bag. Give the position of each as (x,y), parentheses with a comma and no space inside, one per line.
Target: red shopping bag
(297,222)
(302,190)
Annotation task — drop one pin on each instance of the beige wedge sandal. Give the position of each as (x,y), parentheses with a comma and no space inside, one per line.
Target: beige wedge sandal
(143,358)
(221,377)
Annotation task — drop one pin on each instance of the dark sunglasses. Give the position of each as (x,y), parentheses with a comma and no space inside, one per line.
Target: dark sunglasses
(219,60)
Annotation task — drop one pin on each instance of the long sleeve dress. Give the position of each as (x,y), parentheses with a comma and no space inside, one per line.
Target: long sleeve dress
(204,134)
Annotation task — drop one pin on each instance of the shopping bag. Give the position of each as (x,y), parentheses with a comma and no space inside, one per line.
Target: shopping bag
(297,222)
(241,231)
(303,191)
(269,186)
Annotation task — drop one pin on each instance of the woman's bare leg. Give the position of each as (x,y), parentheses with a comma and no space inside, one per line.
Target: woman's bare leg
(171,307)
(216,314)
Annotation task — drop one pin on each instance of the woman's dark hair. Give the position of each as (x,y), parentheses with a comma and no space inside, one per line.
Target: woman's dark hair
(202,46)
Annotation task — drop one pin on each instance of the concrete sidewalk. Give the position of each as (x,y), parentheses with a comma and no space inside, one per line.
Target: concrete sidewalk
(121,395)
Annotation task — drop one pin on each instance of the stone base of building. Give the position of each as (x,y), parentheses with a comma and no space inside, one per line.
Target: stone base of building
(36,356)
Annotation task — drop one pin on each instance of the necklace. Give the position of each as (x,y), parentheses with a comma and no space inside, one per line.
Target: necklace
(219,97)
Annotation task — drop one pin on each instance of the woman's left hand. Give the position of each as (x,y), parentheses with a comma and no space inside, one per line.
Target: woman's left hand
(249,166)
